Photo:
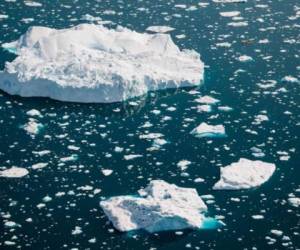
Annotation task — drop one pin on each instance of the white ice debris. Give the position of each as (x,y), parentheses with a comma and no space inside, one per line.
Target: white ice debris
(245,58)
(91,63)
(290,79)
(229,13)
(34,112)
(160,29)
(244,174)
(107,172)
(206,130)
(14,172)
(293,201)
(161,206)
(207,100)
(33,127)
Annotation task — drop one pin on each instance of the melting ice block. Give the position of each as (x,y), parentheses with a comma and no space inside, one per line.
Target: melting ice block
(91,63)
(244,174)
(159,207)
(206,130)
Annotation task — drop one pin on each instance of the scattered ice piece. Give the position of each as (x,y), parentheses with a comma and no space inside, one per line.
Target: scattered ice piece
(10,224)
(258,217)
(229,1)
(245,58)
(33,127)
(295,202)
(210,131)
(160,207)
(290,79)
(198,180)
(39,165)
(47,199)
(34,112)
(244,174)
(183,164)
(204,108)
(91,63)
(238,24)
(207,100)
(14,172)
(225,108)
(131,157)
(106,172)
(72,147)
(230,13)
(160,29)
(277,232)
(77,230)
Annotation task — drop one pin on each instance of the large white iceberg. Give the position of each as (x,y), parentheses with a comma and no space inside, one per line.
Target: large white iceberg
(244,174)
(159,207)
(91,63)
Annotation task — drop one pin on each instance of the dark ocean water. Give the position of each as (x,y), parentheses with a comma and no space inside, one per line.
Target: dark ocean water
(97,129)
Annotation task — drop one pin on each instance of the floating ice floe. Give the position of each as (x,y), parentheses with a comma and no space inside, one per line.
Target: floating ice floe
(230,13)
(211,131)
(34,112)
(159,207)
(290,79)
(229,1)
(244,174)
(294,201)
(245,58)
(91,63)
(160,29)
(14,172)
(207,100)
(32,127)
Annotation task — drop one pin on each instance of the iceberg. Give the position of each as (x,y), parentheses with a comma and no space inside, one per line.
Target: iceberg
(93,64)
(210,131)
(159,207)
(244,174)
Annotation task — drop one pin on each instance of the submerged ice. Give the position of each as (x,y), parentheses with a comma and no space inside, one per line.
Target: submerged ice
(159,207)
(91,63)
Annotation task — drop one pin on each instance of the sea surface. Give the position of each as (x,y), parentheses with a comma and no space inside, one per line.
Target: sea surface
(57,206)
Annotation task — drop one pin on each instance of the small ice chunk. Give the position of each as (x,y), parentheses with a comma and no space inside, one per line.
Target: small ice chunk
(34,112)
(244,174)
(210,131)
(207,100)
(183,164)
(230,13)
(14,172)
(245,58)
(33,127)
(160,29)
(131,157)
(39,165)
(106,172)
(295,202)
(290,79)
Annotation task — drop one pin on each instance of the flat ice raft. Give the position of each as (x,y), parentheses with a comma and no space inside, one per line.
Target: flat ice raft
(244,174)
(159,207)
(91,63)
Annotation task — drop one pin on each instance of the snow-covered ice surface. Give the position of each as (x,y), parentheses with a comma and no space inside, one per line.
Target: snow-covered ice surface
(90,63)
(84,153)
(244,174)
(160,207)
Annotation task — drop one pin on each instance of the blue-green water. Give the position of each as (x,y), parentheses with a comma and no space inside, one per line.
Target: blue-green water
(97,129)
